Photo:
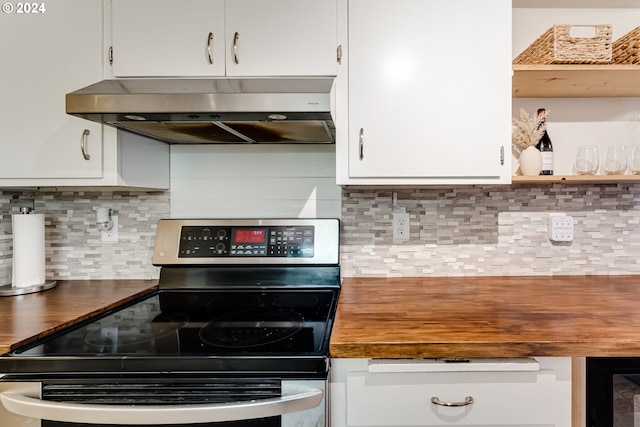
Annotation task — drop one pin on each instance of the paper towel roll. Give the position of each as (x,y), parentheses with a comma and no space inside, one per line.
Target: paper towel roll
(28,250)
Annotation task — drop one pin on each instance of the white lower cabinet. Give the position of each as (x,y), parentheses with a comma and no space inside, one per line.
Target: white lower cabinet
(490,392)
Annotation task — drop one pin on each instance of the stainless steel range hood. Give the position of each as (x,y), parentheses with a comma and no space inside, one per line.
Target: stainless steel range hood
(216,110)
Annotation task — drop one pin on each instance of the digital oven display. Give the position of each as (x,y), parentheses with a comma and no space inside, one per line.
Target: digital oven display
(249,235)
(225,241)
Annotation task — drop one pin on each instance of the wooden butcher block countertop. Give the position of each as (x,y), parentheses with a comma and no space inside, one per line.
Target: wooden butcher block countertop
(488,317)
(25,318)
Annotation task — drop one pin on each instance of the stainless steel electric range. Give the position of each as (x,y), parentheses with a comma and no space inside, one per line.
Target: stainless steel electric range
(236,335)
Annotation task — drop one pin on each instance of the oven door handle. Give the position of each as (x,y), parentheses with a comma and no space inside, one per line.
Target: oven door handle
(299,400)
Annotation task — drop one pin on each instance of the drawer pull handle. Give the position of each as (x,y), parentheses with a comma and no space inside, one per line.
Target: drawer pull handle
(467,401)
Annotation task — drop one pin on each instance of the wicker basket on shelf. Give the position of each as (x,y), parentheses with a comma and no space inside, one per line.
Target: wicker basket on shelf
(626,50)
(557,46)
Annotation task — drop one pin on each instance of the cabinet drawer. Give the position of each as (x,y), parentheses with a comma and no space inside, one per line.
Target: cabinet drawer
(500,398)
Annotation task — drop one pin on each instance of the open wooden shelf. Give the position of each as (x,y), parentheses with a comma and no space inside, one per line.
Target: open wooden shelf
(576,81)
(576,179)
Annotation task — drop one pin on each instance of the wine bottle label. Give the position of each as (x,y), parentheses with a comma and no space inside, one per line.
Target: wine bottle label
(547,161)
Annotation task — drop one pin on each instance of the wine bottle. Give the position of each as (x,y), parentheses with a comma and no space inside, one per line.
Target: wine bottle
(546,148)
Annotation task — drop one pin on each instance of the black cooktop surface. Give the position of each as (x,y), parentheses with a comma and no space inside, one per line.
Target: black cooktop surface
(239,322)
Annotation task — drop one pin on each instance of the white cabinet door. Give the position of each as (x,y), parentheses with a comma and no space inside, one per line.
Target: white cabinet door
(188,38)
(44,56)
(168,38)
(429,91)
(281,37)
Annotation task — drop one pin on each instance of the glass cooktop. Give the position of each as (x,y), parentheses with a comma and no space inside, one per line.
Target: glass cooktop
(239,322)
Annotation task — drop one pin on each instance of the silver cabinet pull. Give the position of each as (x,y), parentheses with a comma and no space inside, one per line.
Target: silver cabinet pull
(210,48)
(467,401)
(361,143)
(339,54)
(111,55)
(501,155)
(84,141)
(236,36)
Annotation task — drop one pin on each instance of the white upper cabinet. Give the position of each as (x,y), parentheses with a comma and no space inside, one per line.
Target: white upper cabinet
(163,38)
(168,38)
(429,92)
(281,37)
(44,56)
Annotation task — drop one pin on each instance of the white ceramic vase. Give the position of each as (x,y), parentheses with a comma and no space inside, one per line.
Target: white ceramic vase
(530,161)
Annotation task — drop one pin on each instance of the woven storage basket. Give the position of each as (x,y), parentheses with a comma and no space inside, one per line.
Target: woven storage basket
(556,46)
(626,50)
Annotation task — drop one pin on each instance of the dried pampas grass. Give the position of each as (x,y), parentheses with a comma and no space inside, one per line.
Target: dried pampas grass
(527,130)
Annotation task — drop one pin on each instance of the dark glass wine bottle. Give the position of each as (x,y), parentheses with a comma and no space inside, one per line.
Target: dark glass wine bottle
(546,148)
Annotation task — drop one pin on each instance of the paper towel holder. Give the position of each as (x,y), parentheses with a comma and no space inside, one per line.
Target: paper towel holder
(10,290)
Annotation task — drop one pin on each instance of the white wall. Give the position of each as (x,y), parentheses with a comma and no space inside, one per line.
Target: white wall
(245,181)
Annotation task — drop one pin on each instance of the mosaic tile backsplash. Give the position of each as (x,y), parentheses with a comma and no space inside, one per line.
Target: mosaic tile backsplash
(73,244)
(460,231)
(492,230)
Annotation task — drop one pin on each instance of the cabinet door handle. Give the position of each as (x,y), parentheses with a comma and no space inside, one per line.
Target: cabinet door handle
(210,48)
(236,36)
(361,144)
(467,401)
(502,155)
(84,142)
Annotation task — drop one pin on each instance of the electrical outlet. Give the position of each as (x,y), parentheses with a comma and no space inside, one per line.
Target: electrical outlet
(111,236)
(401,228)
(560,227)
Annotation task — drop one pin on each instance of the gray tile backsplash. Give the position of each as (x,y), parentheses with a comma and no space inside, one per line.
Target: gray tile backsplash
(73,244)
(467,230)
(492,230)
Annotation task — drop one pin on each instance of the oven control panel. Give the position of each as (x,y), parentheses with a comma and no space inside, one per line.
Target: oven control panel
(197,241)
(275,241)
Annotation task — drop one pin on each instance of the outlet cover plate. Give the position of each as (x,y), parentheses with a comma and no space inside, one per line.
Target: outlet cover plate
(111,236)
(560,228)
(401,229)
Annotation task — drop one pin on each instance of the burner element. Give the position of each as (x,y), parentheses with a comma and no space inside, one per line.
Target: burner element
(251,328)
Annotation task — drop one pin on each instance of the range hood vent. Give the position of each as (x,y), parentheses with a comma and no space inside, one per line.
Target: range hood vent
(205,111)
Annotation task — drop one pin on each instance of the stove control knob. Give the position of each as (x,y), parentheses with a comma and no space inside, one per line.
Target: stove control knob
(206,234)
(220,248)
(222,234)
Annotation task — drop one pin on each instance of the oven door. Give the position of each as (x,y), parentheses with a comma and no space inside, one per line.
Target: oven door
(160,401)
